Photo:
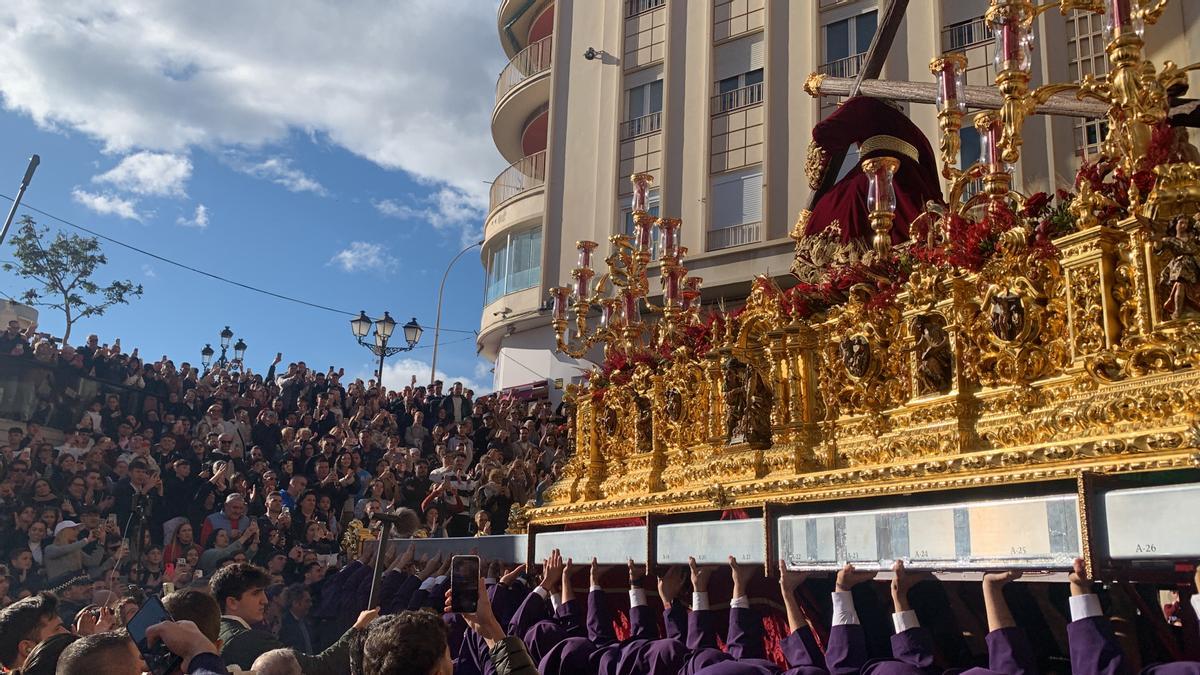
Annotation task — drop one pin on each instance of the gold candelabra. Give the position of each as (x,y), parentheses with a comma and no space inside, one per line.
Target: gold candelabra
(623,290)
(950,71)
(881,199)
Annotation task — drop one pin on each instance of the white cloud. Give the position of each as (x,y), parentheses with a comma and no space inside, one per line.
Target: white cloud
(364,256)
(280,170)
(198,220)
(107,204)
(379,78)
(398,374)
(148,271)
(158,174)
(447,209)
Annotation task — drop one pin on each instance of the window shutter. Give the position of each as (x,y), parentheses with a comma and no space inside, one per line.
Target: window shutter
(756,55)
(752,198)
(727,196)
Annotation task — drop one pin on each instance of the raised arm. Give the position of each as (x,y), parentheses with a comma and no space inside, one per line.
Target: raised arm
(846,652)
(799,647)
(642,624)
(912,643)
(1093,647)
(744,638)
(599,620)
(670,583)
(1009,650)
(702,629)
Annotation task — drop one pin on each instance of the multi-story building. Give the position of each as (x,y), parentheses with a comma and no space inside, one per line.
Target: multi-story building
(707,96)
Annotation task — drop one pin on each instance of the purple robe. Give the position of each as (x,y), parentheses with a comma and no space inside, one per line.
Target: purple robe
(846,651)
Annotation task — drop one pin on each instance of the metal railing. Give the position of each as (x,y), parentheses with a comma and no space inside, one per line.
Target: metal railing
(728,237)
(965,34)
(847,67)
(524,174)
(528,62)
(638,126)
(738,98)
(635,7)
(56,396)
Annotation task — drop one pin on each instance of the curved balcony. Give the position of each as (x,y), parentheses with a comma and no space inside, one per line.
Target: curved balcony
(508,205)
(523,86)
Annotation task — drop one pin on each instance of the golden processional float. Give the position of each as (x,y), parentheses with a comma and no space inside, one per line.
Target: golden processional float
(1017,384)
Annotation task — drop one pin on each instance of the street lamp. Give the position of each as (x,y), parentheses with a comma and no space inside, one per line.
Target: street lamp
(437,325)
(384,327)
(239,352)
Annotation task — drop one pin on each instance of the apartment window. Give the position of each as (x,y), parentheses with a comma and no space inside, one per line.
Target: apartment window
(1086,56)
(970,147)
(846,43)
(635,7)
(515,264)
(644,111)
(739,91)
(735,204)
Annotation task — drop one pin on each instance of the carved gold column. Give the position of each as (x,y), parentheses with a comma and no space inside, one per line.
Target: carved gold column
(1089,264)
(777,353)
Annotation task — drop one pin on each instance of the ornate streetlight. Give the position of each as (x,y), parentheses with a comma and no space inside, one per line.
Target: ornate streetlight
(384,328)
(239,352)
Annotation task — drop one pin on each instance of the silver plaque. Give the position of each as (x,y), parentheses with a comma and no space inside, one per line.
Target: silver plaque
(612,546)
(1030,533)
(1153,522)
(507,548)
(711,542)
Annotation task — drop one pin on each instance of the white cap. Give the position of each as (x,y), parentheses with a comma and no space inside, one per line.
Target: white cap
(64,525)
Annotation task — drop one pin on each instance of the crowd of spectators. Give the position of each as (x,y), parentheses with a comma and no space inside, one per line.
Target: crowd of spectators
(167,473)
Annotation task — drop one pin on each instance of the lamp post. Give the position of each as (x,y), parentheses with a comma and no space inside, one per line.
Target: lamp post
(437,324)
(33,165)
(384,328)
(239,352)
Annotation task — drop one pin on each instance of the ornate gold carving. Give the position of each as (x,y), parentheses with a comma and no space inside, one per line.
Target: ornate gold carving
(816,165)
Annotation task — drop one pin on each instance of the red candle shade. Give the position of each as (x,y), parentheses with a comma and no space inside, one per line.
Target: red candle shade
(582,276)
(988,125)
(951,92)
(1012,44)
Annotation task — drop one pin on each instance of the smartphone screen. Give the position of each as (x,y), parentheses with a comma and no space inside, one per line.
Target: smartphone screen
(464,583)
(159,660)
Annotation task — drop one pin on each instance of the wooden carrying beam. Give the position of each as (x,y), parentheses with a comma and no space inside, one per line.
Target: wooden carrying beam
(977,97)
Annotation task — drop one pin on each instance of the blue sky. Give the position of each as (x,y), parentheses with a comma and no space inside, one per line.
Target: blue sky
(339,156)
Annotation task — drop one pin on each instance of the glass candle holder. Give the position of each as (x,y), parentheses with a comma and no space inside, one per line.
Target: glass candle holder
(641,189)
(633,310)
(643,227)
(989,126)
(950,71)
(585,252)
(560,294)
(669,230)
(1121,20)
(607,313)
(1014,40)
(881,191)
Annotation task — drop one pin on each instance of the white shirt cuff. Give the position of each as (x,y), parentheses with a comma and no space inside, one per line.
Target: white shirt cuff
(428,584)
(555,601)
(637,597)
(699,601)
(491,581)
(905,620)
(741,602)
(1085,606)
(843,609)
(1196,605)
(541,592)
(440,579)
(594,588)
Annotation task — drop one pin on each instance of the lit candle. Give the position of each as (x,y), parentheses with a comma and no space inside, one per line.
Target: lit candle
(585,253)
